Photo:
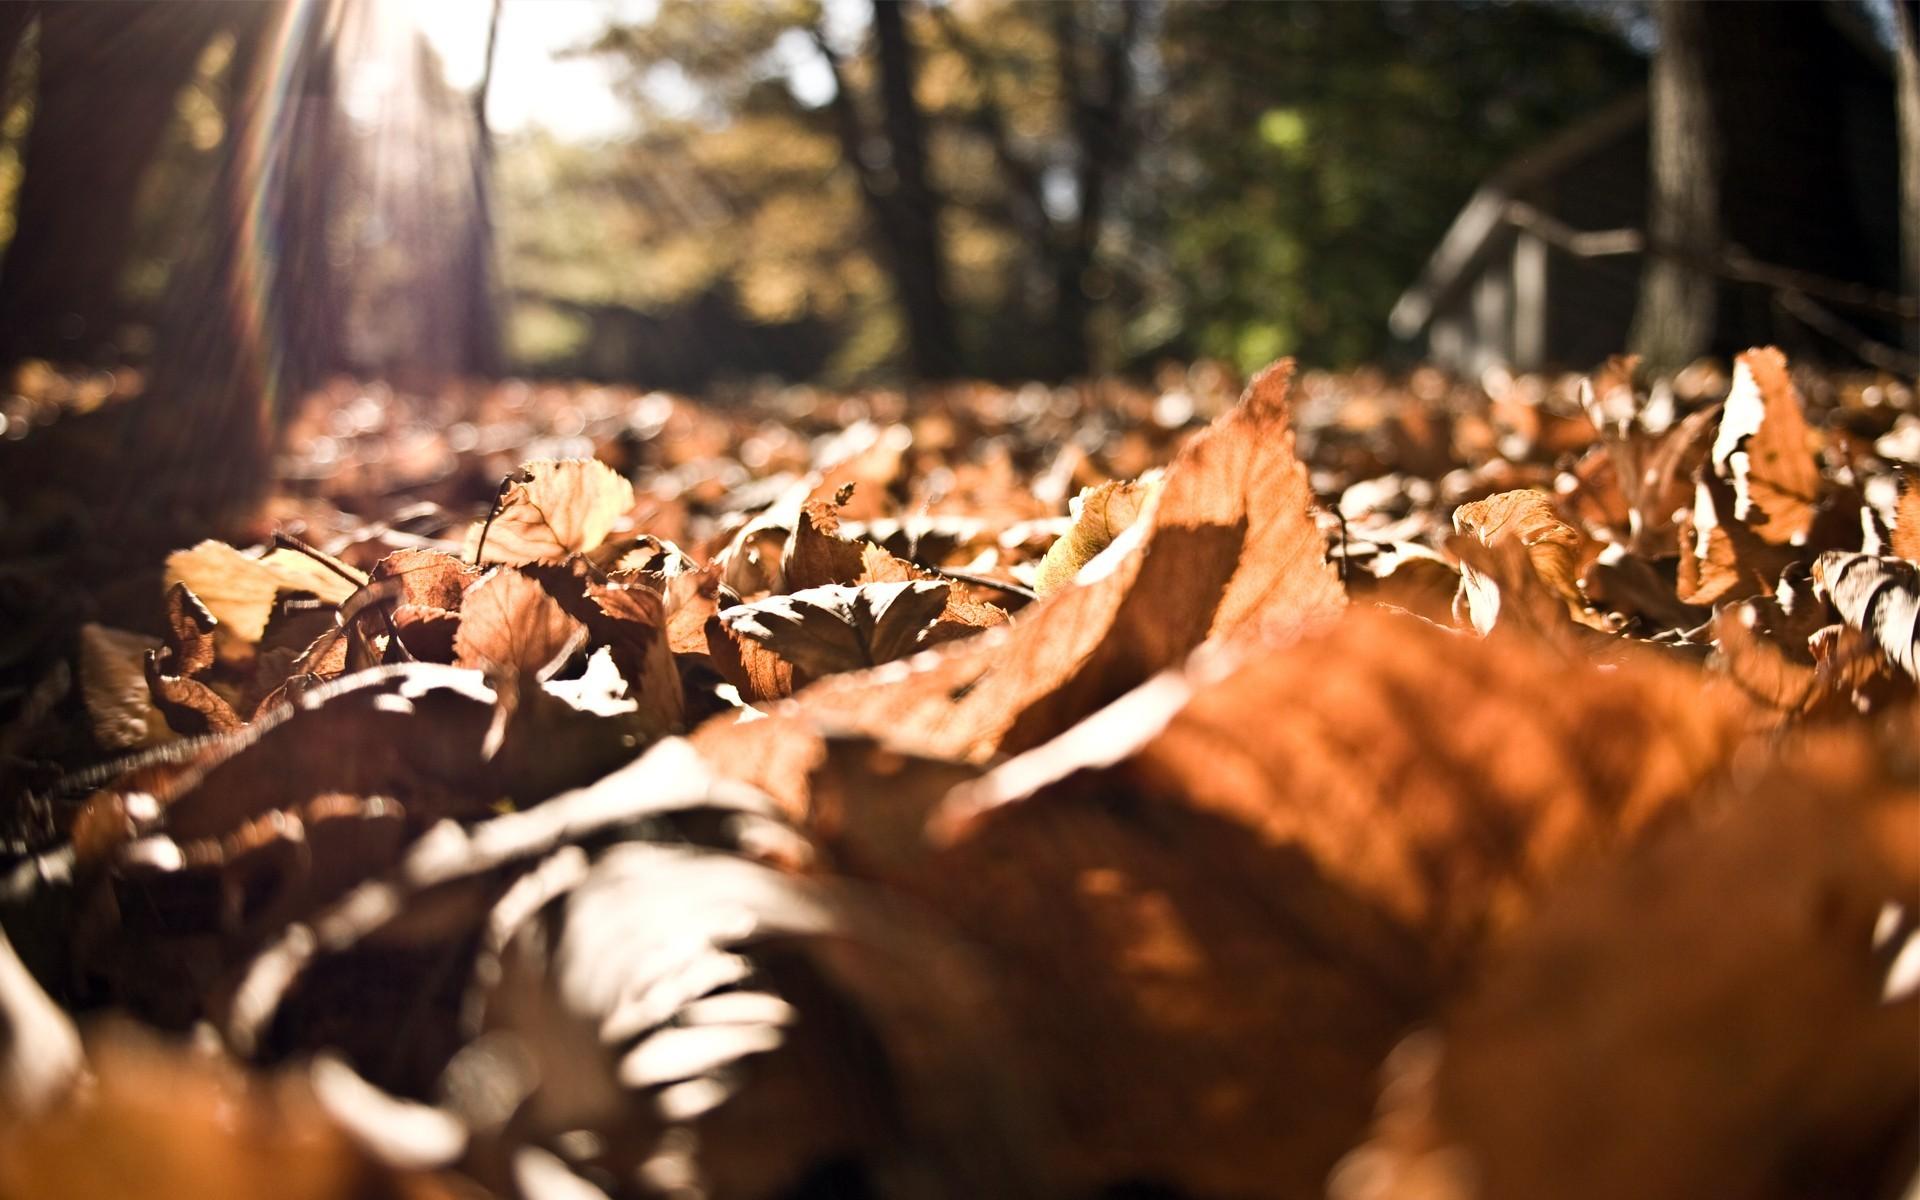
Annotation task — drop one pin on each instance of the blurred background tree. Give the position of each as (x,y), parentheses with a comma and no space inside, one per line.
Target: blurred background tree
(1108,182)
(837,190)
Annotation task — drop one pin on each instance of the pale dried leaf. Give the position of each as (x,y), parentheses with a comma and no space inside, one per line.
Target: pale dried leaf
(1100,514)
(551,509)
(238,589)
(1880,596)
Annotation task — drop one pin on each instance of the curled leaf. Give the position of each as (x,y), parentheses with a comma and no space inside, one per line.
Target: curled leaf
(1880,596)
(1527,516)
(1100,514)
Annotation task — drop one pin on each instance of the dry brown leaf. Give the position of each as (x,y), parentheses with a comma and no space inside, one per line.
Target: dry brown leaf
(551,509)
(113,685)
(1528,517)
(1763,449)
(1253,884)
(816,555)
(1628,584)
(629,619)
(1228,548)
(428,578)
(238,590)
(1906,518)
(1707,1017)
(168,1124)
(962,617)
(757,673)
(823,630)
(1880,596)
(1720,558)
(693,598)
(1100,514)
(427,632)
(189,651)
(1762,668)
(508,623)
(190,707)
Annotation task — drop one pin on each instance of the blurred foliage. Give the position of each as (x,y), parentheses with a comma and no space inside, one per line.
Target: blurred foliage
(178,186)
(16,116)
(1273,176)
(1318,151)
(1291,166)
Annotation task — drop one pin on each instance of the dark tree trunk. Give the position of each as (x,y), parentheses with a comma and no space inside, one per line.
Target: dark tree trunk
(1678,294)
(235,336)
(1099,113)
(908,210)
(14,22)
(109,79)
(1907,35)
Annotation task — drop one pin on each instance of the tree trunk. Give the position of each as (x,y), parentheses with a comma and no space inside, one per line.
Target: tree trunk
(1099,113)
(1678,296)
(309,303)
(14,20)
(909,211)
(109,80)
(1907,50)
(480,325)
(225,360)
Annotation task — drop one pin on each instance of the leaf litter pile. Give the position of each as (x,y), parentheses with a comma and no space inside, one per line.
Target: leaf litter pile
(1375,790)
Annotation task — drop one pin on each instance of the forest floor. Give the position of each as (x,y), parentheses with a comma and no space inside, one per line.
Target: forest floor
(1384,786)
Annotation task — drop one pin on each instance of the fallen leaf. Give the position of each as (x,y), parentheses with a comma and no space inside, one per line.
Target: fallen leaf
(1254,881)
(1906,518)
(239,590)
(1720,558)
(113,685)
(1228,548)
(1880,596)
(824,630)
(190,707)
(189,651)
(816,555)
(630,620)
(171,1124)
(509,623)
(1526,517)
(1762,449)
(550,509)
(427,578)
(1100,514)
(1707,1016)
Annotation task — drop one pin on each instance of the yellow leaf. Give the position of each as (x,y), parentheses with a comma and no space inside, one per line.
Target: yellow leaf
(1100,515)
